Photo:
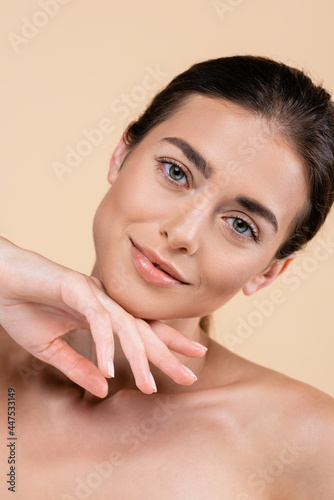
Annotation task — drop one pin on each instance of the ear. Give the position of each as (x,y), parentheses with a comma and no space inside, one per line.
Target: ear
(268,275)
(117,159)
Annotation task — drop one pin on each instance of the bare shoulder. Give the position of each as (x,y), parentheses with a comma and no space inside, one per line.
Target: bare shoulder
(307,424)
(271,389)
(290,426)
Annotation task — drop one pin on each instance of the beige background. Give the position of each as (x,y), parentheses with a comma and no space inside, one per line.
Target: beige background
(71,73)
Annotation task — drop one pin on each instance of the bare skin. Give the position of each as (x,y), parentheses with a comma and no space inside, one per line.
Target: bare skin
(240,431)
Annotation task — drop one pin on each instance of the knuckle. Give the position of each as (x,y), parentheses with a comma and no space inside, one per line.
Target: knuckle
(136,354)
(142,324)
(164,356)
(105,345)
(69,369)
(51,350)
(94,311)
(124,321)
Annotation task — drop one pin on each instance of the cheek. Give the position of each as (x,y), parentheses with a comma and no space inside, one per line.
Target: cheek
(133,198)
(224,274)
(122,204)
(220,284)
(101,228)
(134,195)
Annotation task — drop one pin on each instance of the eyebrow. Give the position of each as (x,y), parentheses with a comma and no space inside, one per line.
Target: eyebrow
(257,208)
(194,156)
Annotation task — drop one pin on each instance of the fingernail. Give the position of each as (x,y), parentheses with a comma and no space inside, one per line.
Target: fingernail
(200,345)
(154,386)
(111,369)
(190,372)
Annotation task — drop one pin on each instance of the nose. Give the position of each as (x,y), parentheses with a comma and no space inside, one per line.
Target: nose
(184,227)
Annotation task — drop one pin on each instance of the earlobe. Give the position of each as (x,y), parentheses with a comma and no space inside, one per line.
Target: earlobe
(268,275)
(117,159)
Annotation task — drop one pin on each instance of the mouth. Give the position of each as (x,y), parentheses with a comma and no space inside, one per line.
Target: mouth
(153,268)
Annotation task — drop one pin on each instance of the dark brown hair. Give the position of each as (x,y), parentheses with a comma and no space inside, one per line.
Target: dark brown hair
(300,110)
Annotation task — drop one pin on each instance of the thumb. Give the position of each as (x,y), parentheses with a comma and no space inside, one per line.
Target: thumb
(77,368)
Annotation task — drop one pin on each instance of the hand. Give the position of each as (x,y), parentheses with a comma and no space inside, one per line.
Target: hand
(40,301)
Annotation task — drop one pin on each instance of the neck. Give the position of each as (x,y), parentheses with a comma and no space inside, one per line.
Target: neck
(124,378)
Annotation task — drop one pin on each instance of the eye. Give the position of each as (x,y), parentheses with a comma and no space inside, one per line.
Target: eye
(242,228)
(240,225)
(175,172)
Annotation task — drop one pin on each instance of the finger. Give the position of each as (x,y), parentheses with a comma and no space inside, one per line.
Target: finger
(125,326)
(134,350)
(98,283)
(86,299)
(103,316)
(176,341)
(102,332)
(77,368)
(159,354)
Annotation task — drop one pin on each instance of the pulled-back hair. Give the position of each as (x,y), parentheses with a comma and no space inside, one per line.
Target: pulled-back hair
(286,97)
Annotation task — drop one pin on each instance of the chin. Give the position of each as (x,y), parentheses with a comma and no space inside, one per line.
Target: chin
(128,301)
(147,312)
(146,308)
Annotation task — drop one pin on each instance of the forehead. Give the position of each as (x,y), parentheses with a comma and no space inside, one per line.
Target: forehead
(246,155)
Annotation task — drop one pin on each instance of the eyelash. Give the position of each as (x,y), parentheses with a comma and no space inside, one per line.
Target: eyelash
(255,235)
(164,160)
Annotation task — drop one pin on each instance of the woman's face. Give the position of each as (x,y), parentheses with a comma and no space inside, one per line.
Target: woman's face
(210,192)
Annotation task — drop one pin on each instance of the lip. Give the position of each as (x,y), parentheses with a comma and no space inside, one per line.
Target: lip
(144,259)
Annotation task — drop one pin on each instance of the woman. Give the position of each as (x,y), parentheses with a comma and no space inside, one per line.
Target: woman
(193,216)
